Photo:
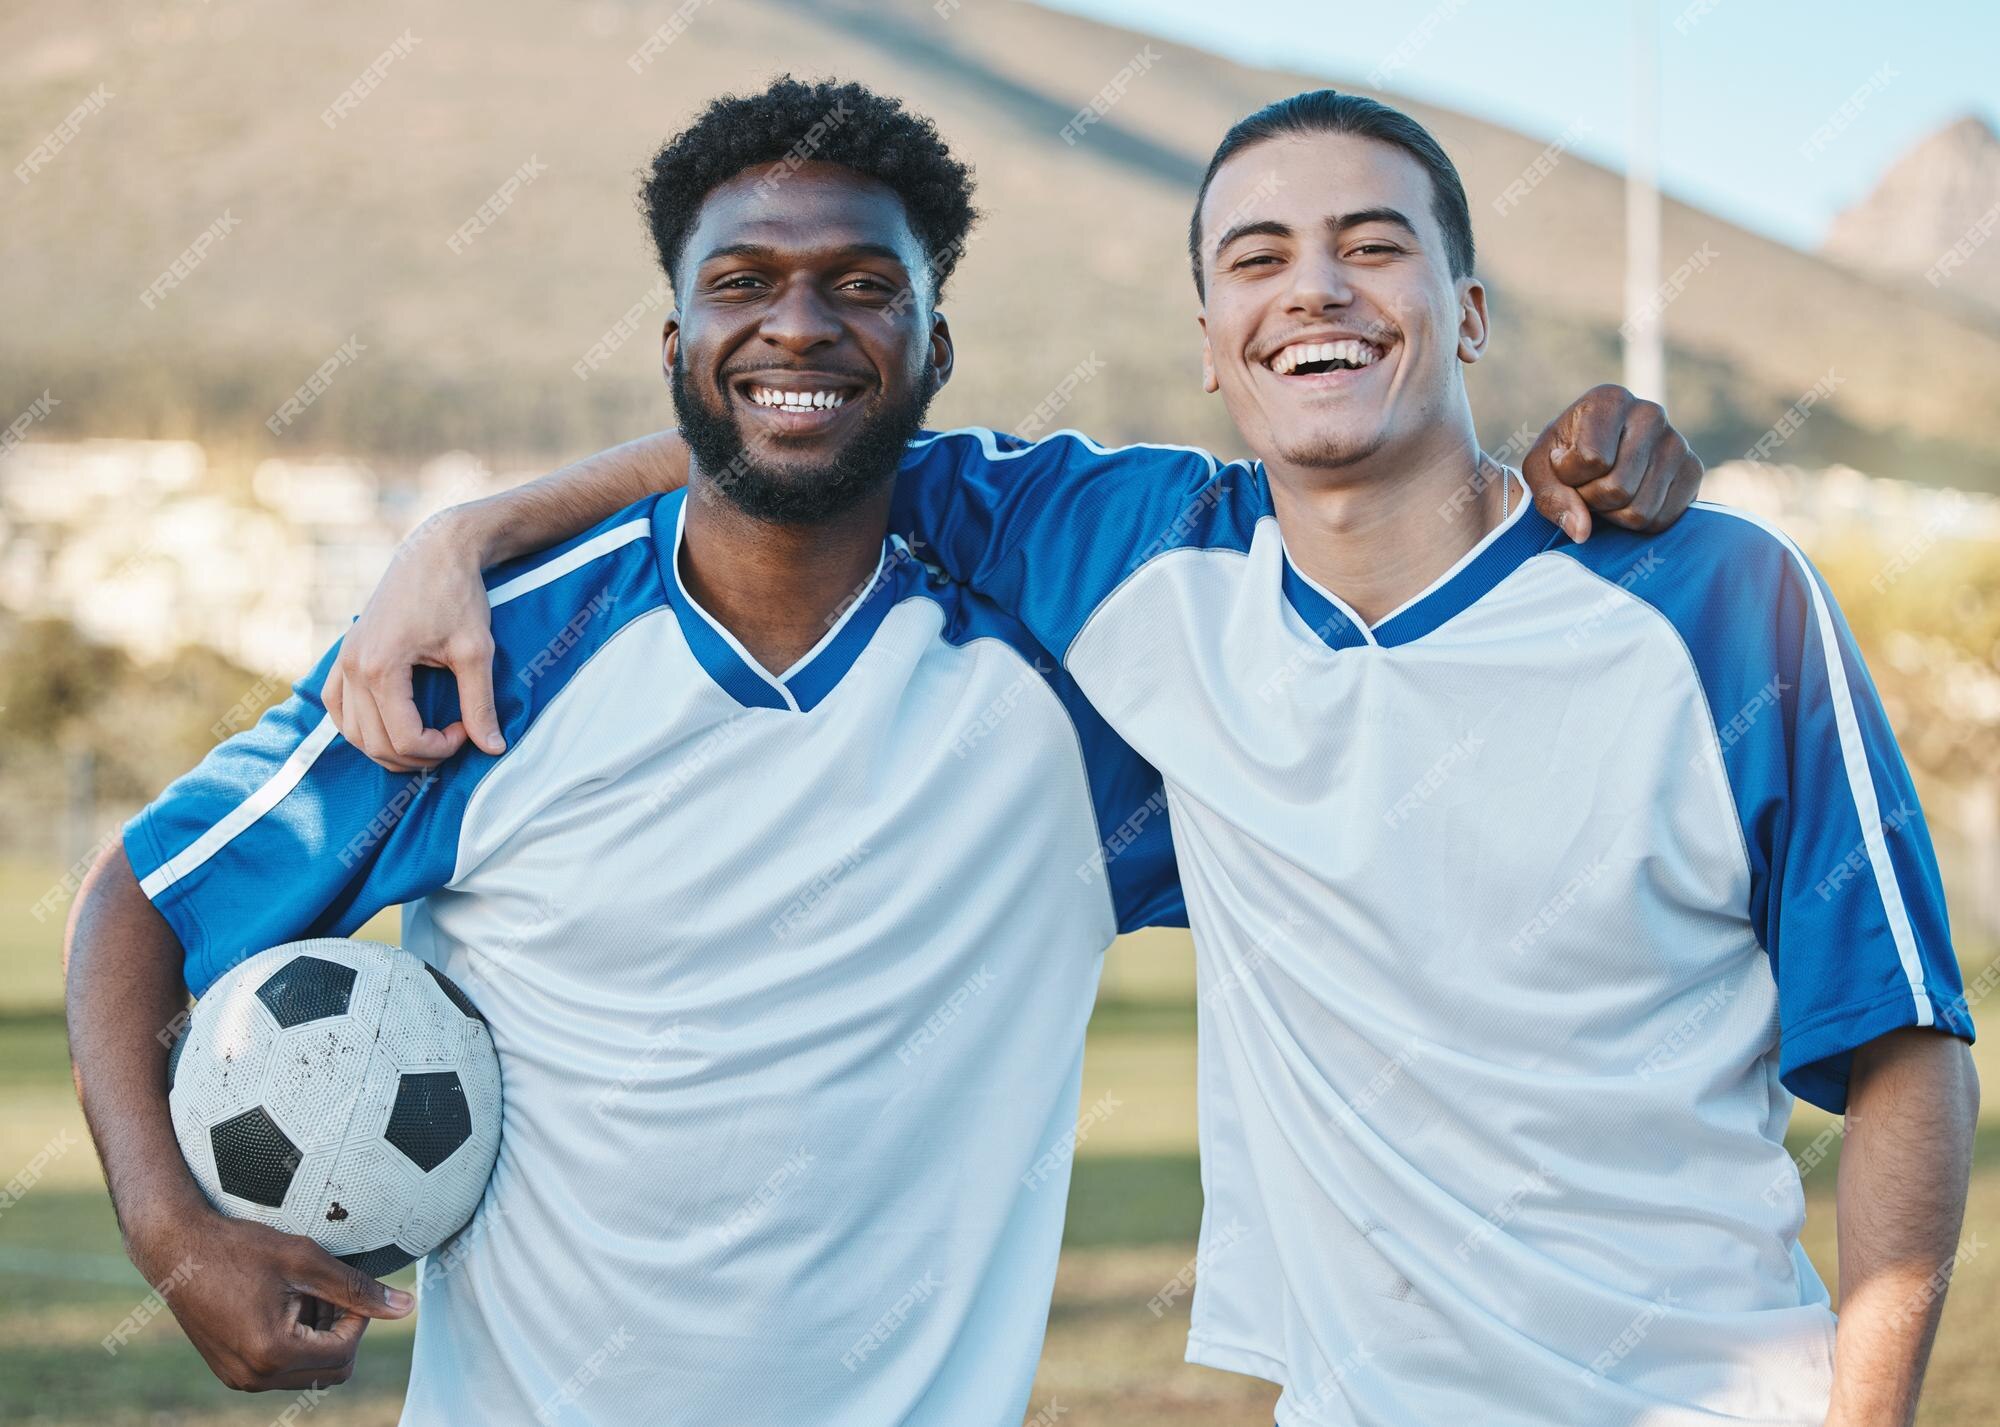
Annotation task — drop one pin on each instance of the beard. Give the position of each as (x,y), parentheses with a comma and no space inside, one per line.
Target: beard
(788,493)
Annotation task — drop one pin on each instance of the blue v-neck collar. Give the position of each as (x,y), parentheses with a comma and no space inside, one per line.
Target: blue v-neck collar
(819,671)
(1524,533)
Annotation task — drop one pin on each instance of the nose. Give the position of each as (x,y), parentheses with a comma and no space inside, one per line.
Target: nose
(1319,282)
(799,320)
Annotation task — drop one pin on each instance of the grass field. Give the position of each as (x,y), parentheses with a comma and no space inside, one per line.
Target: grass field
(1109,1362)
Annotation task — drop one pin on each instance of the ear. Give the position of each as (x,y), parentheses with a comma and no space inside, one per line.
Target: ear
(670,342)
(943,353)
(1208,382)
(1472,328)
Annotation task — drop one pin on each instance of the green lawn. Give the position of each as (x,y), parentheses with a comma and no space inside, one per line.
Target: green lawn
(1109,1362)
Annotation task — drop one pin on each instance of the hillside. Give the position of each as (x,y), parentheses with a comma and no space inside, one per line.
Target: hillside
(338,231)
(1944,190)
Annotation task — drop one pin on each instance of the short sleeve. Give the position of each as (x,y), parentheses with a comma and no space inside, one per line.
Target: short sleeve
(1845,892)
(287,831)
(1049,529)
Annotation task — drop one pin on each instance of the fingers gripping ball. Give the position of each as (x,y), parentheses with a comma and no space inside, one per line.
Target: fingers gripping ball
(342,1090)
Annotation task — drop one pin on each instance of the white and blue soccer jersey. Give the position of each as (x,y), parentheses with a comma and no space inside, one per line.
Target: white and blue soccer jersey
(1520,917)
(788,978)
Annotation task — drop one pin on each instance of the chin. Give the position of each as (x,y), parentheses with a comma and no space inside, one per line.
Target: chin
(1313,449)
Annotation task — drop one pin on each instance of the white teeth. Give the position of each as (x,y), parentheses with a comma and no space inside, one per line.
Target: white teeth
(1354,353)
(797,400)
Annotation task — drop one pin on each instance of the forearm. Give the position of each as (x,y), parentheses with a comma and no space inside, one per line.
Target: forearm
(1904,1167)
(124,995)
(571,499)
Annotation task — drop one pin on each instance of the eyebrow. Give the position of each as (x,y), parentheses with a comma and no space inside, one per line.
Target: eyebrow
(761,252)
(1336,224)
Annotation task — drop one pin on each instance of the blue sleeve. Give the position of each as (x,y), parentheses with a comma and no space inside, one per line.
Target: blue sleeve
(1048,529)
(1135,838)
(286,831)
(1845,893)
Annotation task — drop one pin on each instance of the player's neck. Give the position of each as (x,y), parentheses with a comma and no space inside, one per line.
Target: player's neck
(778,588)
(1380,532)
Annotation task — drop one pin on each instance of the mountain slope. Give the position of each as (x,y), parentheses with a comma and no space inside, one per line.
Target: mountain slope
(342,231)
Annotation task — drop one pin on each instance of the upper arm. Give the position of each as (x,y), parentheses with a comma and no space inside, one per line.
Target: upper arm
(1846,894)
(287,831)
(1048,529)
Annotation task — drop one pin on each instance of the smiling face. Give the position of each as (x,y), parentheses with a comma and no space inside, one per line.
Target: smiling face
(1332,324)
(804,349)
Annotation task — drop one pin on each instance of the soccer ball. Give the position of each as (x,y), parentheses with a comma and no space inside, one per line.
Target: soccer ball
(343,1090)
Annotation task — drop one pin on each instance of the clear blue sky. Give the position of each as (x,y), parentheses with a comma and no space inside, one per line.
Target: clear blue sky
(1742,86)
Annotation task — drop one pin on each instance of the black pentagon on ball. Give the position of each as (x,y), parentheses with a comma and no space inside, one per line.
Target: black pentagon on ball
(430,1118)
(307,988)
(450,989)
(253,1159)
(380,1263)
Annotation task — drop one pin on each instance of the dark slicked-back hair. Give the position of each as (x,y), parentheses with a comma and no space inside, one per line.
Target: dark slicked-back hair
(791,123)
(1327,111)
